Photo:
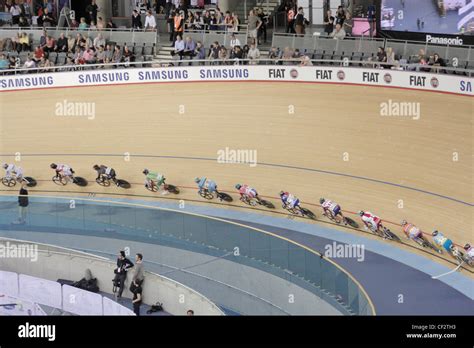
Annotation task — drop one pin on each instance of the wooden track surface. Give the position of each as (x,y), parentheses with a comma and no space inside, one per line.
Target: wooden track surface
(301,152)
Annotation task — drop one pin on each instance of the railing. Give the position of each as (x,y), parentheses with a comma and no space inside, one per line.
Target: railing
(261,61)
(245,245)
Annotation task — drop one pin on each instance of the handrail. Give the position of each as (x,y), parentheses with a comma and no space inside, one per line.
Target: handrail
(239,62)
(33,28)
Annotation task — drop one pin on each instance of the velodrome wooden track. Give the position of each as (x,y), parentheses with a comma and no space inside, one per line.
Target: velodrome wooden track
(305,149)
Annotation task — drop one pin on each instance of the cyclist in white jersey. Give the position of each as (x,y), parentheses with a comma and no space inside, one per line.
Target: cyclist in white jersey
(332,208)
(13,171)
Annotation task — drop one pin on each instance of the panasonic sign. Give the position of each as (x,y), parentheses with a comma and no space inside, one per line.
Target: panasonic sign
(444,40)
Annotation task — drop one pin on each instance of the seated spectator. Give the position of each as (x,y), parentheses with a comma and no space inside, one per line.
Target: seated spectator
(111,24)
(189,21)
(83,24)
(74,24)
(198,22)
(62,44)
(200,51)
(274,54)
(70,43)
(4,63)
(79,42)
(189,47)
(46,19)
(306,61)
(234,41)
(235,23)
(99,41)
(78,60)
(348,24)
(23,22)
(69,66)
(88,43)
(128,56)
(92,26)
(38,54)
(43,39)
(436,60)
(100,55)
(297,54)
(253,55)
(100,24)
(287,55)
(89,56)
(117,56)
(338,33)
(46,65)
(136,20)
(222,55)
(236,54)
(328,23)
(381,57)
(50,44)
(109,54)
(340,16)
(214,50)
(178,47)
(29,64)
(390,58)
(24,42)
(15,11)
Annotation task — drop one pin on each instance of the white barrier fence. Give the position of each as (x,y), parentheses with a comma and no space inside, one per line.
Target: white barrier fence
(423,81)
(25,289)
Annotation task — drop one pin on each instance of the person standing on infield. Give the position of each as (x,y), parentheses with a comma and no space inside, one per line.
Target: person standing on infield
(23,203)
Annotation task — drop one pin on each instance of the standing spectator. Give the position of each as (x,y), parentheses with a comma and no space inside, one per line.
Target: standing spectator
(123,265)
(92,10)
(329,23)
(198,22)
(263,28)
(150,22)
(137,297)
(15,11)
(47,19)
(253,55)
(371,19)
(23,203)
(254,24)
(136,20)
(300,22)
(290,19)
(348,24)
(340,16)
(179,25)
(235,23)
(138,269)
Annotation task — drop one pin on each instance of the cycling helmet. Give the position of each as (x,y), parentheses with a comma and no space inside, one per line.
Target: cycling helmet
(96,167)
(197,180)
(146,171)
(435,233)
(238,186)
(361,212)
(5,165)
(53,165)
(467,246)
(322,200)
(404,222)
(282,193)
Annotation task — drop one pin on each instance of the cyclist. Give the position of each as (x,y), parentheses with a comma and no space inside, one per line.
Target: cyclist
(13,171)
(63,170)
(333,208)
(370,221)
(412,232)
(442,241)
(289,201)
(154,179)
(247,193)
(108,172)
(206,184)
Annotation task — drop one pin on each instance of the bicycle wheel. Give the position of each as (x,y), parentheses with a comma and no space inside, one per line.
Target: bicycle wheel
(308,213)
(30,182)
(224,197)
(352,223)
(205,194)
(9,182)
(59,180)
(79,181)
(392,236)
(152,188)
(103,182)
(172,189)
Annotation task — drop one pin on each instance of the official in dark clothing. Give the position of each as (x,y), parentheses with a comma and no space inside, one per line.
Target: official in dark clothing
(123,265)
(23,204)
(137,297)
(136,20)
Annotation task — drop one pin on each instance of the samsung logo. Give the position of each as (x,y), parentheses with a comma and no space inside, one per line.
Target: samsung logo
(27,82)
(223,73)
(157,75)
(444,40)
(103,77)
